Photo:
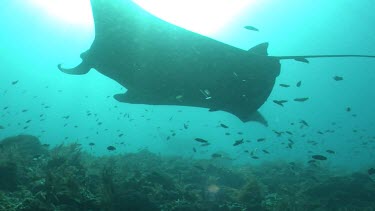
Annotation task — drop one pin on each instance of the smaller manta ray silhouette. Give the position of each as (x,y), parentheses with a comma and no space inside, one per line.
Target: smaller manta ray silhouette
(162,64)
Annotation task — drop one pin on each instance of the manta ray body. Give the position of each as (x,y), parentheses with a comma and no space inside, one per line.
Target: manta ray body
(163,64)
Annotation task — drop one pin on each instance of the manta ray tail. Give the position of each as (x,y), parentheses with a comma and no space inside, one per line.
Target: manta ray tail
(304,58)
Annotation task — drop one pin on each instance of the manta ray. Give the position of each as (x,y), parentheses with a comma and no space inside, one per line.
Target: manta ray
(163,64)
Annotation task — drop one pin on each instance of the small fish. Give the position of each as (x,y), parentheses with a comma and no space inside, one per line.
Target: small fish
(238,142)
(91,144)
(216,155)
(186,126)
(330,151)
(348,109)
(371,171)
(301,99)
(201,140)
(304,123)
(66,117)
(194,150)
(319,157)
(255,157)
(265,151)
(223,126)
(199,167)
(288,132)
(111,148)
(280,102)
(205,144)
(14,82)
(298,83)
(261,139)
(338,78)
(284,85)
(120,135)
(277,133)
(252,28)
(227,134)
(2,127)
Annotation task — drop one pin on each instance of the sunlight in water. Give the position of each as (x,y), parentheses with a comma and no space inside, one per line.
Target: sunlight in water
(202,16)
(76,12)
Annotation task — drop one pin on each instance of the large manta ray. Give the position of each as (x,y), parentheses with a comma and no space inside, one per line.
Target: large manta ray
(162,64)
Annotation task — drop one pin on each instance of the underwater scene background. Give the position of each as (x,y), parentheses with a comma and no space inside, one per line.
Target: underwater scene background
(67,144)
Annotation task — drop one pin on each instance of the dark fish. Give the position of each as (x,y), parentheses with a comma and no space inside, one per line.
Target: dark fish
(223,126)
(301,99)
(227,134)
(371,171)
(261,139)
(24,110)
(280,102)
(111,148)
(216,155)
(304,123)
(91,144)
(348,109)
(238,142)
(299,83)
(265,151)
(288,132)
(311,161)
(45,145)
(2,127)
(66,117)
(330,151)
(338,78)
(277,133)
(194,150)
(199,167)
(284,85)
(14,82)
(186,126)
(319,157)
(205,144)
(252,28)
(201,140)
(120,135)
(255,157)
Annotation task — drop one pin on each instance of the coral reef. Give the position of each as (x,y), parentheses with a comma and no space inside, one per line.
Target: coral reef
(33,177)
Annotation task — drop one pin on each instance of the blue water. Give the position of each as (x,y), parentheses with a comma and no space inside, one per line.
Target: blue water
(32,45)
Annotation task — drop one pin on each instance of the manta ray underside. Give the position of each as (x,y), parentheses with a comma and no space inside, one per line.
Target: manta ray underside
(162,64)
